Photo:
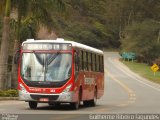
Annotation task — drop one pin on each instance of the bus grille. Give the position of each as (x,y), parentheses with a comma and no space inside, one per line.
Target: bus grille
(50,97)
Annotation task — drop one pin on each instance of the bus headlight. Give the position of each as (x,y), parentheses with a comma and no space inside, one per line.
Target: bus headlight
(23,88)
(67,88)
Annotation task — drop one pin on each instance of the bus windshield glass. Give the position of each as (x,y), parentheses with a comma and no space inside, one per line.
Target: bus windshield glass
(46,66)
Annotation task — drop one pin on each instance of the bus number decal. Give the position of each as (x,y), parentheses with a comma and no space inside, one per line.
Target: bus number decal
(89,81)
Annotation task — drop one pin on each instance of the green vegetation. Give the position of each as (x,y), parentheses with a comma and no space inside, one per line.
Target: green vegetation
(143,70)
(9,93)
(28,17)
(126,25)
(143,39)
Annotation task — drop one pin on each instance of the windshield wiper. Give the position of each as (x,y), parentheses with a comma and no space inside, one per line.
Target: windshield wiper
(48,61)
(44,60)
(52,58)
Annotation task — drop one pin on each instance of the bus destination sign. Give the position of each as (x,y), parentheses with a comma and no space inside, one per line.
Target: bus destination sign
(47,46)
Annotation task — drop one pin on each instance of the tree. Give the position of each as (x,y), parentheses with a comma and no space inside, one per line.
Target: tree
(37,12)
(4,45)
(143,39)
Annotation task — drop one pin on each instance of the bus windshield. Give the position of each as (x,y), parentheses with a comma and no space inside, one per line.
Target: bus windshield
(46,66)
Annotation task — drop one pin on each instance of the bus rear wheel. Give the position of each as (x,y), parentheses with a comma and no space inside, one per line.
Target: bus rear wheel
(33,104)
(86,103)
(94,100)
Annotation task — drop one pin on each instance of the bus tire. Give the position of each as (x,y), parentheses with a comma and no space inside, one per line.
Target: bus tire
(54,104)
(75,105)
(94,100)
(86,103)
(57,104)
(51,104)
(32,104)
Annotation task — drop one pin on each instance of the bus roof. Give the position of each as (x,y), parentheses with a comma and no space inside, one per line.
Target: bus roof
(60,40)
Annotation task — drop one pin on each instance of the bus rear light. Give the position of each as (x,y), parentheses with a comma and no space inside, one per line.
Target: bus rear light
(22,88)
(67,89)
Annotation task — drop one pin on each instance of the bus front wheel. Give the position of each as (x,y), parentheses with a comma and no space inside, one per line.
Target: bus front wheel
(33,104)
(75,105)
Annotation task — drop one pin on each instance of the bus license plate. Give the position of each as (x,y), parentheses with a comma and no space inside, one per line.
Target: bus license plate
(44,99)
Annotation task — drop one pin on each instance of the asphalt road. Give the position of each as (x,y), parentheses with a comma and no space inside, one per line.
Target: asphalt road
(125,92)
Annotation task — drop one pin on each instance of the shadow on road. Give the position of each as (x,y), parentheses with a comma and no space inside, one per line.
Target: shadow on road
(63,107)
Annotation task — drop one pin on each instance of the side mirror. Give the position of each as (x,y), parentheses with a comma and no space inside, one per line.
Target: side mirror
(16,56)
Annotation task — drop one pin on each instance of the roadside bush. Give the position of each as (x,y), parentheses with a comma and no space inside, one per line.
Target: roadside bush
(9,93)
(142,38)
(157,61)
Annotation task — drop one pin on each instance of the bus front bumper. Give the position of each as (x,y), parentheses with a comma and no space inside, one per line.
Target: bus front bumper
(62,97)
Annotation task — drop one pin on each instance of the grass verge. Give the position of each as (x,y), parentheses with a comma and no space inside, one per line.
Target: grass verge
(143,70)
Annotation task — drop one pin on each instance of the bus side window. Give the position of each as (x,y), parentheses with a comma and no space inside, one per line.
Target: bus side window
(84,61)
(80,60)
(102,64)
(99,68)
(76,62)
(97,62)
(93,62)
(89,61)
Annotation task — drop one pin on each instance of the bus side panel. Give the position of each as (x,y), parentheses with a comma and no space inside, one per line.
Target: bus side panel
(90,81)
(79,84)
(86,88)
(100,85)
(84,80)
(89,85)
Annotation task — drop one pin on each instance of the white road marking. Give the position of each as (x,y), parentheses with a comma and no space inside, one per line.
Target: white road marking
(131,94)
(134,76)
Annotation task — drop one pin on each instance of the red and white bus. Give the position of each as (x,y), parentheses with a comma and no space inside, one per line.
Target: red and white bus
(58,71)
